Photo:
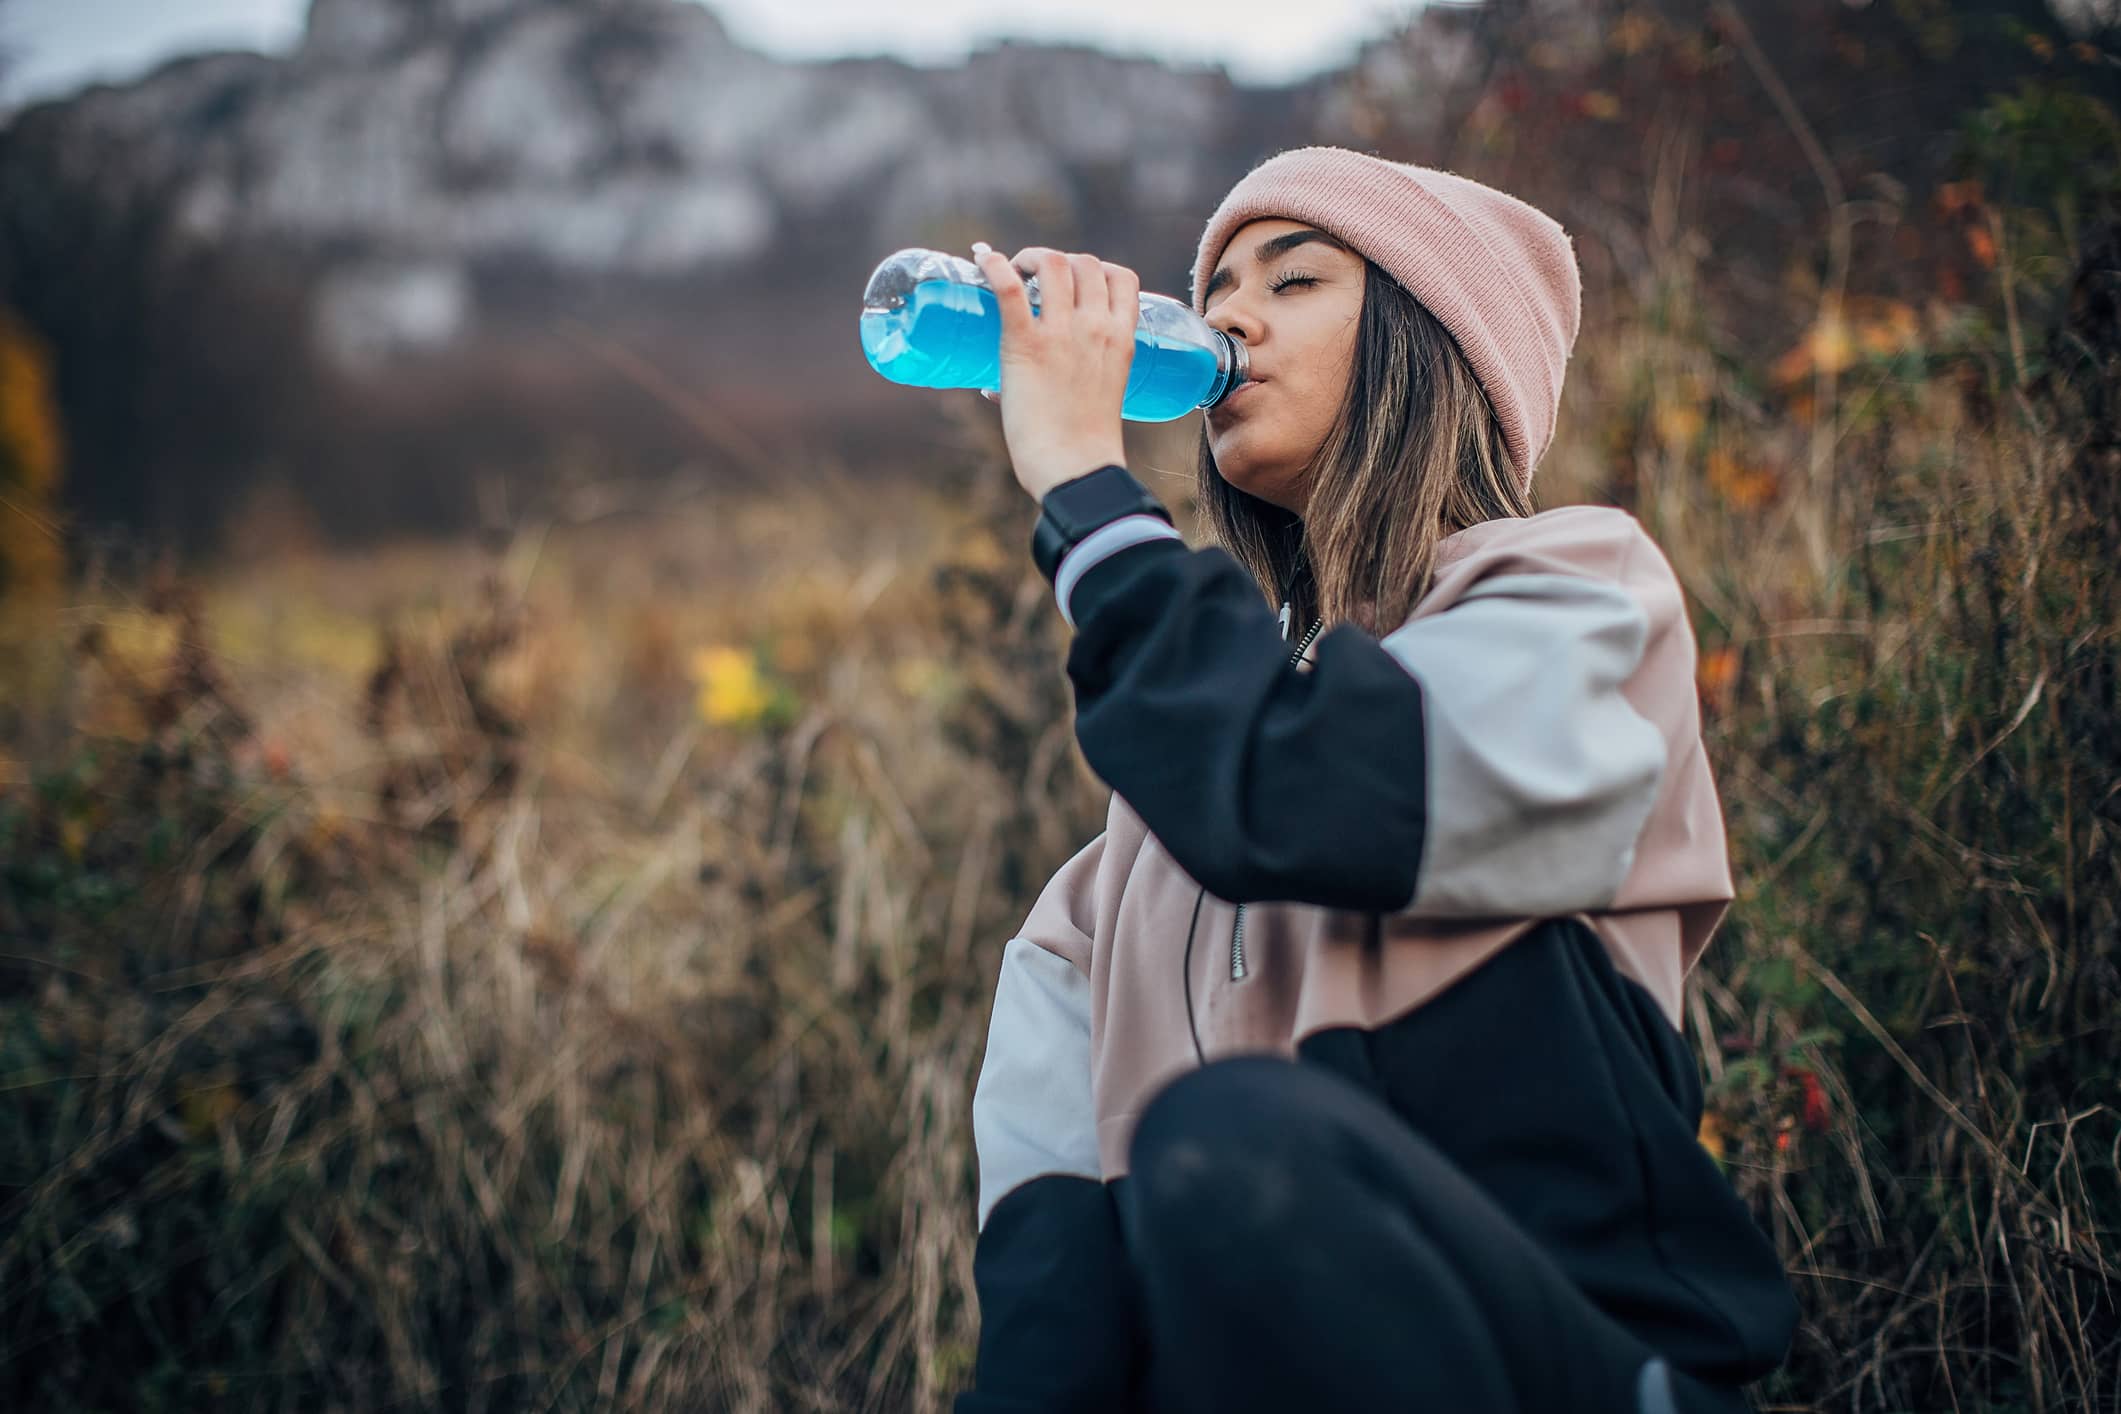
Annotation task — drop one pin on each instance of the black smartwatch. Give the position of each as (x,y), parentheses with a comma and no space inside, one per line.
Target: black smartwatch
(1074,509)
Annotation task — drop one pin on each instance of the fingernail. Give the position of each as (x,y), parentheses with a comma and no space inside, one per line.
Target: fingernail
(980,248)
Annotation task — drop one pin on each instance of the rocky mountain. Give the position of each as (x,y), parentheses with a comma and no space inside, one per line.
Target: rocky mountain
(407,144)
(517,200)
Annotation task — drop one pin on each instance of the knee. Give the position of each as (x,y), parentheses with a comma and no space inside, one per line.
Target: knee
(1217,1153)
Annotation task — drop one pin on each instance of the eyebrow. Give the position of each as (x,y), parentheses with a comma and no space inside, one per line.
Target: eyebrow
(1267,250)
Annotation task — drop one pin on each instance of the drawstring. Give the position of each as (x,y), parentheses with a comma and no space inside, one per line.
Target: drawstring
(1296,568)
(1186,971)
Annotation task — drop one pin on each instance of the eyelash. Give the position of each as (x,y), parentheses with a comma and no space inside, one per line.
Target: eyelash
(1279,282)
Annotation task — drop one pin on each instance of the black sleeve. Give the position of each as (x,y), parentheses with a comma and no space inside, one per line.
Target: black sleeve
(1059,1324)
(1264,782)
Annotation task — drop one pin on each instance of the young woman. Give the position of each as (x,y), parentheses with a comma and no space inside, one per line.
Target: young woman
(1343,1069)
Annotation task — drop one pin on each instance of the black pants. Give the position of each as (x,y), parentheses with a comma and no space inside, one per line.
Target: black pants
(1494,1204)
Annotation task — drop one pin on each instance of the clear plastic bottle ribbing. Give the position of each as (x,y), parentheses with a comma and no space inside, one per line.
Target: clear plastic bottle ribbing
(929,320)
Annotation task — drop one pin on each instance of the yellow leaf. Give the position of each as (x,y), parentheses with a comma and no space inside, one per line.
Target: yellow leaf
(1679,423)
(1832,348)
(1711,1134)
(1826,347)
(732,692)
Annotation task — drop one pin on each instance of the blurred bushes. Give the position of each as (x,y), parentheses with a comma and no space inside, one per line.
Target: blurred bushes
(1910,1017)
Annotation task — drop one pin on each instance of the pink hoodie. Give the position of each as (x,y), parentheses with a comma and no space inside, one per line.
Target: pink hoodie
(1567,778)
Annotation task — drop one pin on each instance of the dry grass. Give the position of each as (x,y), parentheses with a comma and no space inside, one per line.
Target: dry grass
(489,1029)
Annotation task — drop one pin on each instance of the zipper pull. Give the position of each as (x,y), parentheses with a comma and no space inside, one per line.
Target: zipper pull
(1285,622)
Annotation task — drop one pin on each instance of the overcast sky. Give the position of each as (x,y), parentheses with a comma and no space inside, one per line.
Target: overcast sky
(56,45)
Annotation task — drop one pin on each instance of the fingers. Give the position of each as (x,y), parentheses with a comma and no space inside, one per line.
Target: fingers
(1098,289)
(1092,296)
(1124,287)
(1056,284)
(1008,287)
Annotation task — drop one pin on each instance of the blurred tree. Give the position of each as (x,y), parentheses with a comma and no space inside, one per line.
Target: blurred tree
(29,448)
(30,556)
(175,363)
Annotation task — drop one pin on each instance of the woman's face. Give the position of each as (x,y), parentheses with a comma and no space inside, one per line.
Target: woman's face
(1292,295)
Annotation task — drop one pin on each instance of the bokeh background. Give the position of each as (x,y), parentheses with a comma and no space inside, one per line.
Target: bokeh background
(519,753)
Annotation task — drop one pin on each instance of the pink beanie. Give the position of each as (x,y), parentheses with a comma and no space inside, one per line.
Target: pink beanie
(1498,273)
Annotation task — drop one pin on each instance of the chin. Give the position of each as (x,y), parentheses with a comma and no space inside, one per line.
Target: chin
(1259,482)
(1235,467)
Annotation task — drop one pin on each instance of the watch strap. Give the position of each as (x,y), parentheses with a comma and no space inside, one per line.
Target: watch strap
(1074,510)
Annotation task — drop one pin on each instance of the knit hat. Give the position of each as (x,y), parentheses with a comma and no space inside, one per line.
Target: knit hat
(1498,273)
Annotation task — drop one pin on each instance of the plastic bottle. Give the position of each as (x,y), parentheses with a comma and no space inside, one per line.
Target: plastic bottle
(929,320)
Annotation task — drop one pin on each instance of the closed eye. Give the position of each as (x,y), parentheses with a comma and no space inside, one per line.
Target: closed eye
(1282,282)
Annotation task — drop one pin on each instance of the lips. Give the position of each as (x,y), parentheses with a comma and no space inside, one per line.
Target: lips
(1239,396)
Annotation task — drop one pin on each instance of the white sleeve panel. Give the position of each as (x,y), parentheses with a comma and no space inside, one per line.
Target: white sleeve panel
(1031,1111)
(1540,774)
(1100,545)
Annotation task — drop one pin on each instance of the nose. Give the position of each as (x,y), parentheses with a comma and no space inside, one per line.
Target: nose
(1231,320)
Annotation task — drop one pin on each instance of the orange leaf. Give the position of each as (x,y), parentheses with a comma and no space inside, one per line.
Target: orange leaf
(1895,327)
(1717,677)
(1983,244)
(1744,486)
(1954,197)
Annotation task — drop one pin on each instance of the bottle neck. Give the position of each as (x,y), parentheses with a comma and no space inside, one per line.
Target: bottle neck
(1232,367)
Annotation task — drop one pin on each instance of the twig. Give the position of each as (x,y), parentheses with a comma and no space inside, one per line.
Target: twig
(2032,700)
(1989,1147)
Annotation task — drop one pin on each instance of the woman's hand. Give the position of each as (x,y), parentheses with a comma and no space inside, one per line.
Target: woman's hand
(1064,371)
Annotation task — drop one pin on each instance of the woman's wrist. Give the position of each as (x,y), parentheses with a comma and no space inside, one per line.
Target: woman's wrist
(1047,471)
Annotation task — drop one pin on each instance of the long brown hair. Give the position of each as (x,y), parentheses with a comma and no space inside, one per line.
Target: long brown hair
(1414,454)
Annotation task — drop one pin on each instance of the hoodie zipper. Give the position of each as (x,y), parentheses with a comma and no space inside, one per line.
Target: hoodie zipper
(1237,924)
